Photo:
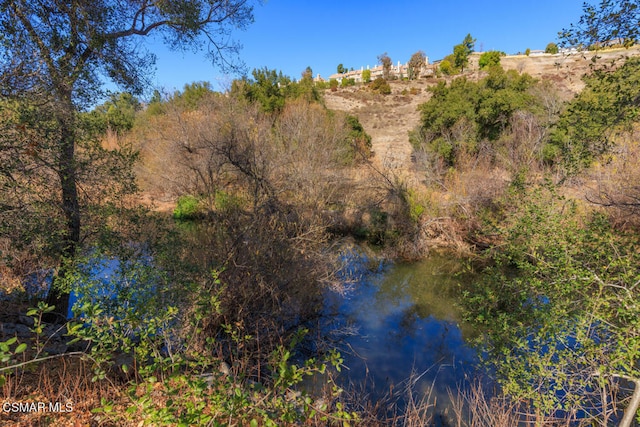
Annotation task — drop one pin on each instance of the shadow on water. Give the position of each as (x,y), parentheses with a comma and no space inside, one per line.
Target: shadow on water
(402,322)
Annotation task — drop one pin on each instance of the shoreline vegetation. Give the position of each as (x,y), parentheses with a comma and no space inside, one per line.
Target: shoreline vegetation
(199,231)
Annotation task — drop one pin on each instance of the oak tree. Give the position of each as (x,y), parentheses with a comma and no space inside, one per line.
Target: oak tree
(609,21)
(58,54)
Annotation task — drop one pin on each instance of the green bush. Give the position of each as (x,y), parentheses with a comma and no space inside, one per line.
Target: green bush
(189,207)
(348,82)
(473,111)
(358,141)
(557,304)
(490,59)
(446,67)
(381,86)
(173,381)
(606,105)
(227,202)
(366,76)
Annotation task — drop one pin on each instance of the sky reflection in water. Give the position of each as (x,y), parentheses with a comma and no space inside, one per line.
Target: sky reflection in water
(406,321)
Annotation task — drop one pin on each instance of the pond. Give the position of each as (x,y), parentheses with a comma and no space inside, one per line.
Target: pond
(401,326)
(398,325)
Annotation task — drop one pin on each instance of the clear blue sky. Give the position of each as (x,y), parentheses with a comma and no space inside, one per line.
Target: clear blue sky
(289,35)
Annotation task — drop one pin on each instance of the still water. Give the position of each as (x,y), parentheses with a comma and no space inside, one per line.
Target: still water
(402,321)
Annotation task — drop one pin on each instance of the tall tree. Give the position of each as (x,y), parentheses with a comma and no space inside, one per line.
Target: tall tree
(385,61)
(62,51)
(462,51)
(416,63)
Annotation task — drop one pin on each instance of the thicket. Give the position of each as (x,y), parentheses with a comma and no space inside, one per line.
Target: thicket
(463,117)
(558,307)
(212,308)
(556,301)
(606,108)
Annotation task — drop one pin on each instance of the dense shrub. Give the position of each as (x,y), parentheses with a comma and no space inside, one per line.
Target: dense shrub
(490,59)
(188,207)
(446,67)
(459,116)
(606,106)
(381,86)
(348,82)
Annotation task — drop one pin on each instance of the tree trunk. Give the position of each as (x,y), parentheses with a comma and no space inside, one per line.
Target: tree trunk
(67,174)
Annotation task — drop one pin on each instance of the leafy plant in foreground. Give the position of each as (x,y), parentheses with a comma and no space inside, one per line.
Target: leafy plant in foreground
(560,309)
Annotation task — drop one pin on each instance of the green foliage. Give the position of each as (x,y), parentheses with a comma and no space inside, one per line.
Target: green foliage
(358,140)
(551,48)
(155,106)
(609,21)
(473,111)
(11,350)
(527,52)
(415,204)
(490,59)
(303,89)
(270,89)
(265,89)
(381,86)
(117,114)
(558,305)
(608,104)
(188,208)
(366,75)
(341,69)
(333,85)
(193,95)
(348,82)
(462,51)
(133,314)
(446,68)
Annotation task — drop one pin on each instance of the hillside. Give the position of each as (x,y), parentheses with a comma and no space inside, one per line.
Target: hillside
(389,118)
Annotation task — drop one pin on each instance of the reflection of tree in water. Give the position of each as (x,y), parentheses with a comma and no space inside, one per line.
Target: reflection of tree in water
(409,321)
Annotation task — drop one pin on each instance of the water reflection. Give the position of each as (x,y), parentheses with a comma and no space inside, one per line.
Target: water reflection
(407,322)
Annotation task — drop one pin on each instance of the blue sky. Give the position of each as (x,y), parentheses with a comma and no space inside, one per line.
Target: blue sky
(289,35)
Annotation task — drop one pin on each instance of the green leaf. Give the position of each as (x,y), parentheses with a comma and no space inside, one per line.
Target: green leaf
(21,348)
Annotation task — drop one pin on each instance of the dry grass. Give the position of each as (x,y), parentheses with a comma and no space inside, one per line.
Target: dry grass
(64,380)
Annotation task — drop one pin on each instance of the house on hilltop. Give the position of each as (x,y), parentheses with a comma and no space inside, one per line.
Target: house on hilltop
(397,71)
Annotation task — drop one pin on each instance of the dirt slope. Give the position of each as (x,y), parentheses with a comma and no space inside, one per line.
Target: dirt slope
(388,119)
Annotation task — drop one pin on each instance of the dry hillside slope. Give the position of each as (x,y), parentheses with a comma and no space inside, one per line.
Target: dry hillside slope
(388,119)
